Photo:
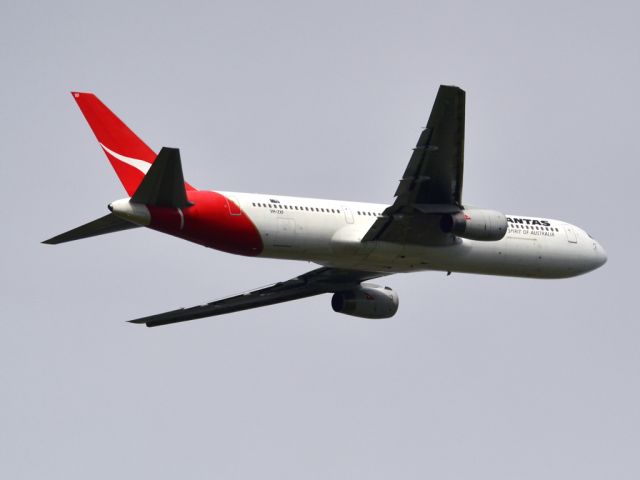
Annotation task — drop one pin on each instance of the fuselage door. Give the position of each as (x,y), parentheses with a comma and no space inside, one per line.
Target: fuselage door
(286,234)
(348,216)
(571,235)
(233,206)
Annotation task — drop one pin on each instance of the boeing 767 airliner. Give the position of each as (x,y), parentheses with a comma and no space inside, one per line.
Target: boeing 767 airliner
(427,227)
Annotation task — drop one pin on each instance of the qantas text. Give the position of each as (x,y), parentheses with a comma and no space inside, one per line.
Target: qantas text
(527,221)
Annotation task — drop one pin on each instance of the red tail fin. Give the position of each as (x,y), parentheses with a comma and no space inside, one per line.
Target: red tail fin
(129,156)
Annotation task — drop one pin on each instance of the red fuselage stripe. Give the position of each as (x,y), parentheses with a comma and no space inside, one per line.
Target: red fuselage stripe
(213,221)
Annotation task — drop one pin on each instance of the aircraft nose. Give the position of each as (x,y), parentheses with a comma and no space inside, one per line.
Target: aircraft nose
(601,255)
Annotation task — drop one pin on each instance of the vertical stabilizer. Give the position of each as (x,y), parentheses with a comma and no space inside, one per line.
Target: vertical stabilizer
(130,157)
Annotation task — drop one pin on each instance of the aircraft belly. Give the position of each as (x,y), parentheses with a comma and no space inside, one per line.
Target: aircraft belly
(506,257)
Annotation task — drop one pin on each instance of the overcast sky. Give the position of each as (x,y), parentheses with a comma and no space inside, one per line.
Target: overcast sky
(475,377)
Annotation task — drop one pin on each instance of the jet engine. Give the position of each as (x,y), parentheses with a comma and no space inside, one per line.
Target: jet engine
(366,301)
(476,224)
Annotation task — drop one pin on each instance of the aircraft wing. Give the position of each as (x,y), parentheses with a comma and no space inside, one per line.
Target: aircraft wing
(432,182)
(315,282)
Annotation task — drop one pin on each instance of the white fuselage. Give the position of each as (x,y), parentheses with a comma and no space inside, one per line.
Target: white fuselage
(329,232)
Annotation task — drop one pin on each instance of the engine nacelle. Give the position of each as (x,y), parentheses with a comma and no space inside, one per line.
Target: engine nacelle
(476,224)
(366,301)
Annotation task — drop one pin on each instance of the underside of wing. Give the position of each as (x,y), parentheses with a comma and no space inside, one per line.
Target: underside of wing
(432,182)
(435,170)
(315,282)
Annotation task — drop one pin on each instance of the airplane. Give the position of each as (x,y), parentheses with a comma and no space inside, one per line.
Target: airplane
(426,228)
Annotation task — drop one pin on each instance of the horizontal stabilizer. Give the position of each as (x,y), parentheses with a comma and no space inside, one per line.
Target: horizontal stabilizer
(163,185)
(107,224)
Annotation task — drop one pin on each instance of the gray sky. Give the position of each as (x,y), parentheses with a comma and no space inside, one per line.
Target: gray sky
(476,377)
